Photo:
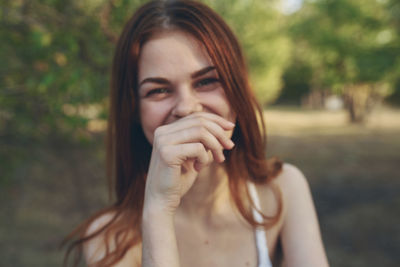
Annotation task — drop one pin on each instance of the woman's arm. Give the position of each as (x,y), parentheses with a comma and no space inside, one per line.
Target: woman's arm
(301,237)
(180,150)
(159,240)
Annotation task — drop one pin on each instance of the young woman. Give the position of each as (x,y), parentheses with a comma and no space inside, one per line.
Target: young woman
(187,155)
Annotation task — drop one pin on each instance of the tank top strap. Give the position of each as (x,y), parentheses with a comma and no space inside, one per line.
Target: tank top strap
(260,236)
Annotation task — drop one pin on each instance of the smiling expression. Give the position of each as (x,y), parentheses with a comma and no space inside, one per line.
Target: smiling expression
(177,78)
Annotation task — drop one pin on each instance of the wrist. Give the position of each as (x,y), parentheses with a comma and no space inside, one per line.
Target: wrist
(154,211)
(159,246)
(155,204)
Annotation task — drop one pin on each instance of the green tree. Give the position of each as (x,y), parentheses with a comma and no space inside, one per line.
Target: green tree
(393,10)
(56,59)
(54,70)
(260,28)
(349,45)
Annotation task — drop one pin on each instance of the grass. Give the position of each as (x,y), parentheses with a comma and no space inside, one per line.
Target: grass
(352,170)
(353,174)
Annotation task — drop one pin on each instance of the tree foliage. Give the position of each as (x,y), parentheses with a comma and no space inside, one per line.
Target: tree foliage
(261,29)
(351,46)
(56,58)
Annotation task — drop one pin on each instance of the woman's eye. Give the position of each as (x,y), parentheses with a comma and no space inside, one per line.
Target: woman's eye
(208,83)
(158,92)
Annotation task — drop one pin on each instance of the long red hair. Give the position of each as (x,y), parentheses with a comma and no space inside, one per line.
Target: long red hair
(128,151)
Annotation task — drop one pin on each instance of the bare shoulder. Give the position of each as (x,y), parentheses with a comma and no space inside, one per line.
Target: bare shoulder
(296,193)
(291,176)
(300,233)
(292,182)
(99,223)
(95,249)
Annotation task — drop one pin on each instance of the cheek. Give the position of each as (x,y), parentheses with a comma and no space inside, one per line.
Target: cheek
(218,103)
(151,117)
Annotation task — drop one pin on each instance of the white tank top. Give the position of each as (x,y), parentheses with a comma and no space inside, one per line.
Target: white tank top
(261,239)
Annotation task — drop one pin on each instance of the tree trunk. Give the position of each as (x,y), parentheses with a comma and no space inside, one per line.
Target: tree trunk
(359,100)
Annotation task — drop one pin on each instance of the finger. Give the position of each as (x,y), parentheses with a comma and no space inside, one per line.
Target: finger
(220,134)
(198,165)
(199,118)
(178,154)
(194,135)
(224,123)
(214,128)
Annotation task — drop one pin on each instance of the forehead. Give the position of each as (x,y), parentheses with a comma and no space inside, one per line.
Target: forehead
(172,54)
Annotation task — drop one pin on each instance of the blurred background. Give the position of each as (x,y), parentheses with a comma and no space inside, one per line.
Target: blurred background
(326,71)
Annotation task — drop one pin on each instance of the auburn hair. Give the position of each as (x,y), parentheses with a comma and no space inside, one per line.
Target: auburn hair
(128,151)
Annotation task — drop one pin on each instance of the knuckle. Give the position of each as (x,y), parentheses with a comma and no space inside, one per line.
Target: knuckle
(164,152)
(199,147)
(200,120)
(159,135)
(161,139)
(202,131)
(158,132)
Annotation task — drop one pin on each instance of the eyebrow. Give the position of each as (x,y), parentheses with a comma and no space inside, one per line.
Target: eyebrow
(160,80)
(202,71)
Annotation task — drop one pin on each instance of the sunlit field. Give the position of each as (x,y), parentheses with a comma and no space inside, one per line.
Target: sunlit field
(353,173)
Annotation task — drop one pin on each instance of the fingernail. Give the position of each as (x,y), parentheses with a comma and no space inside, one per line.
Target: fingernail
(231,143)
(231,124)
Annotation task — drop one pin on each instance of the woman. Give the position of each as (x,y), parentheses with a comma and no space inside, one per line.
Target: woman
(186,153)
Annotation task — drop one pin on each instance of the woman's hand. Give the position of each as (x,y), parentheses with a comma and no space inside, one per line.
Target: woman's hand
(180,150)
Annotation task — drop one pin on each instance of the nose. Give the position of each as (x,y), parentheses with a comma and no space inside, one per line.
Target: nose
(186,103)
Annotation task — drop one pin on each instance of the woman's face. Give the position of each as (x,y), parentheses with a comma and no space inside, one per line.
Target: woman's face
(177,78)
